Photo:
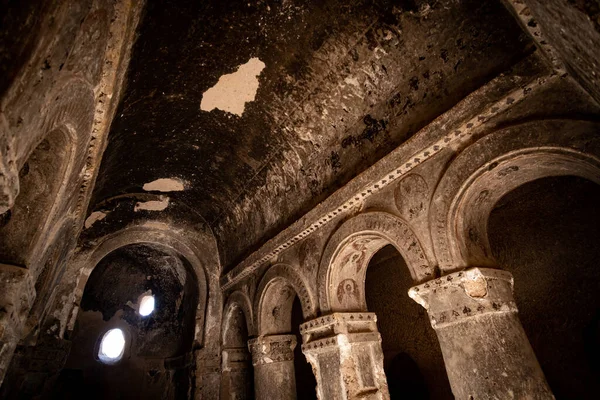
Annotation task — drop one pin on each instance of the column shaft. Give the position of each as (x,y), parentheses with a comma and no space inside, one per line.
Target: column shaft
(485,349)
(236,374)
(273,362)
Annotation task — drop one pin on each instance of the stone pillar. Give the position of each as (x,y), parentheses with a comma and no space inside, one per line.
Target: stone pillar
(208,374)
(485,349)
(273,362)
(236,374)
(344,350)
(17,294)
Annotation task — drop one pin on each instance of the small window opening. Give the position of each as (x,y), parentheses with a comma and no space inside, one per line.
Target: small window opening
(112,346)
(146,305)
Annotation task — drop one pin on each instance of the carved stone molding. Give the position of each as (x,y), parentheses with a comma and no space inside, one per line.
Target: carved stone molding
(322,332)
(466,294)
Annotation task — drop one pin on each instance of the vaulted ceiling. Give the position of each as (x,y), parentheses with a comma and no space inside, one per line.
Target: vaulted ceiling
(343,84)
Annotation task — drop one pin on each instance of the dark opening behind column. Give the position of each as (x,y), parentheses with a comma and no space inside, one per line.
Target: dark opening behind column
(413,360)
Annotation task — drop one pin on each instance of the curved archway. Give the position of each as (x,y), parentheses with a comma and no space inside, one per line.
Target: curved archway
(240,301)
(412,358)
(282,303)
(492,167)
(344,262)
(143,234)
(43,180)
(275,296)
(158,345)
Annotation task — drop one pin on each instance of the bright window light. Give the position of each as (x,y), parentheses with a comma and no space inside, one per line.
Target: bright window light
(112,346)
(146,306)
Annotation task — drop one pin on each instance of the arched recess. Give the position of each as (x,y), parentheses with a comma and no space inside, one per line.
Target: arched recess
(343,267)
(149,235)
(50,158)
(275,297)
(158,344)
(494,166)
(237,301)
(43,180)
(53,264)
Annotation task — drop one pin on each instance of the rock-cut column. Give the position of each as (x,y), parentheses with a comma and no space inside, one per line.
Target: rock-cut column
(345,352)
(273,362)
(236,374)
(485,349)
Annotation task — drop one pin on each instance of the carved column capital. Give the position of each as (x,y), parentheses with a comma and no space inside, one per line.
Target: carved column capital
(484,345)
(465,294)
(336,329)
(271,349)
(352,340)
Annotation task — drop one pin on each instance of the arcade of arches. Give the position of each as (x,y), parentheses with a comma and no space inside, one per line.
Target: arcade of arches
(298,199)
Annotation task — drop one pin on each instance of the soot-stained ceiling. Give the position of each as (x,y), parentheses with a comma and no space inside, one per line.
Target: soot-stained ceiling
(329,87)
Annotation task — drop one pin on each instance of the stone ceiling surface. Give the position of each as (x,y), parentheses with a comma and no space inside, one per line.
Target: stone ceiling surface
(253,112)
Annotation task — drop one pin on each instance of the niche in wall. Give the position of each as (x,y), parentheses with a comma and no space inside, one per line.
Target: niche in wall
(40,180)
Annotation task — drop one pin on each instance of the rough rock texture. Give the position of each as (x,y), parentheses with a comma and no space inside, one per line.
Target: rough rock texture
(63,64)
(485,348)
(303,163)
(413,361)
(336,95)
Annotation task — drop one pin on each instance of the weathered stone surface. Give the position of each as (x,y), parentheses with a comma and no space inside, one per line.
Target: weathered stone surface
(345,352)
(485,349)
(394,134)
(273,362)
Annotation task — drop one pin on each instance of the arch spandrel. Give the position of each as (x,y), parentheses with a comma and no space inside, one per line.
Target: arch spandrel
(344,262)
(492,167)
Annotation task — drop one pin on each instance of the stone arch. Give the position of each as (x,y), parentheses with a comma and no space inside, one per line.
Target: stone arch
(139,235)
(495,165)
(344,262)
(275,295)
(49,161)
(237,300)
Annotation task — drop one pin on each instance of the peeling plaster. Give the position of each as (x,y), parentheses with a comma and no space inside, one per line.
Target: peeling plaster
(164,185)
(152,205)
(233,91)
(93,218)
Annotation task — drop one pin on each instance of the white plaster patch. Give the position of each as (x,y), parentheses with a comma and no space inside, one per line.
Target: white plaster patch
(233,91)
(352,81)
(93,218)
(164,185)
(152,205)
